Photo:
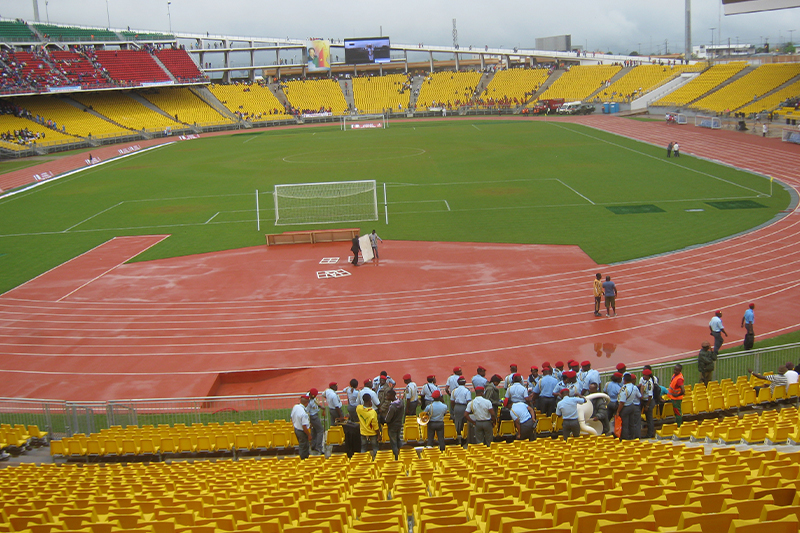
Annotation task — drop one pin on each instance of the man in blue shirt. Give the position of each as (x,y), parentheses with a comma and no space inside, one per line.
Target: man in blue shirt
(544,392)
(612,388)
(587,376)
(437,410)
(524,419)
(567,409)
(479,380)
(517,392)
(629,408)
(610,293)
(460,397)
(748,321)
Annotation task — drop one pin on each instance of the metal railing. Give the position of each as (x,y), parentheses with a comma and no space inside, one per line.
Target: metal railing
(63,419)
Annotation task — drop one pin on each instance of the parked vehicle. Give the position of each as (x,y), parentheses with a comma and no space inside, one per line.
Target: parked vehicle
(549,105)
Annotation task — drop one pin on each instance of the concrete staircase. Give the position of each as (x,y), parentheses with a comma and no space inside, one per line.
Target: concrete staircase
(348,93)
(164,68)
(208,97)
(85,109)
(416,85)
(602,88)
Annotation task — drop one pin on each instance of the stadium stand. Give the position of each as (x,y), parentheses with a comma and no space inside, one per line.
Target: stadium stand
(508,487)
(316,96)
(146,36)
(579,82)
(52,32)
(748,88)
(125,110)
(250,102)
(28,72)
(773,100)
(18,133)
(185,106)
(374,94)
(79,70)
(132,66)
(76,121)
(448,89)
(512,87)
(702,84)
(16,31)
(180,65)
(641,80)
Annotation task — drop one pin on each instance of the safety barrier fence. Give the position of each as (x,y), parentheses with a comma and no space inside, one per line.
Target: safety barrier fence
(63,418)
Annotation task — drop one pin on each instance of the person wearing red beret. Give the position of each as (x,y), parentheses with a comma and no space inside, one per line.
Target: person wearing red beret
(333,401)
(436,410)
(587,376)
(533,379)
(517,392)
(510,378)
(426,397)
(544,393)
(479,379)
(316,424)
(411,395)
(648,387)
(451,385)
(492,391)
(558,369)
(301,425)
(629,408)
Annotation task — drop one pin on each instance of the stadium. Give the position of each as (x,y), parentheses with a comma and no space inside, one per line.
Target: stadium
(179,215)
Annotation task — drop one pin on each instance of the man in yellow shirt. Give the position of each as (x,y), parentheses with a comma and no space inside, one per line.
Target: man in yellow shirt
(368,420)
(598,293)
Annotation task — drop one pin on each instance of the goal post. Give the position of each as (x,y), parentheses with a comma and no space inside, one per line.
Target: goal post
(325,202)
(681,119)
(790,136)
(704,121)
(355,122)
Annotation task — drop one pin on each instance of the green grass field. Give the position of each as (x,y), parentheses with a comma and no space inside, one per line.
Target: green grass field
(473,181)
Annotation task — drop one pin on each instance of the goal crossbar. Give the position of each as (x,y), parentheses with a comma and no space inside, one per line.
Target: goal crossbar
(366,121)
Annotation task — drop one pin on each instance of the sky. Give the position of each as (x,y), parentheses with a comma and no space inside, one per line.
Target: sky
(619,26)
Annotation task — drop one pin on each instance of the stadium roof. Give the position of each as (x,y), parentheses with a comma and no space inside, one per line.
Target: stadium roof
(736,7)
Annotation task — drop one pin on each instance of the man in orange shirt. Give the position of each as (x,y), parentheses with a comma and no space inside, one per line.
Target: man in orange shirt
(676,391)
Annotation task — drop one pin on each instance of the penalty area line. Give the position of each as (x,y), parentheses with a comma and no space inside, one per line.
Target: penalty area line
(212,218)
(576,192)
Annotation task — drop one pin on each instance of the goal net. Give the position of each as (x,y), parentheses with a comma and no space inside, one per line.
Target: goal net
(355,122)
(707,122)
(681,119)
(790,136)
(325,203)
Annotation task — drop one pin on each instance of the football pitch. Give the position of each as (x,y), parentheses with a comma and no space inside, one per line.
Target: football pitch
(463,180)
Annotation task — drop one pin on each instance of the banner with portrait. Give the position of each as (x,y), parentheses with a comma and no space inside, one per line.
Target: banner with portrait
(318,55)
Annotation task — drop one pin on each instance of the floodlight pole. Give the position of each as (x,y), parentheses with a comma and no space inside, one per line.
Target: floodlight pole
(169,15)
(687,52)
(108,16)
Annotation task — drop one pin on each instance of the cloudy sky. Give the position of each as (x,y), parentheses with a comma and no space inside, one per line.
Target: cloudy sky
(614,25)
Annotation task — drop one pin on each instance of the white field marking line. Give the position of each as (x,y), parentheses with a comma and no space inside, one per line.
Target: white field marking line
(91,217)
(250,139)
(212,218)
(632,267)
(79,170)
(658,158)
(110,269)
(447,205)
(473,293)
(189,197)
(631,272)
(57,266)
(467,307)
(384,332)
(404,341)
(576,192)
(130,228)
(479,182)
(476,127)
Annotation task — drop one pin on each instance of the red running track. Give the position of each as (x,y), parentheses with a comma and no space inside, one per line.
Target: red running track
(258,320)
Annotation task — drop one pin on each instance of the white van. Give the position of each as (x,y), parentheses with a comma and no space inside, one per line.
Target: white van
(569,108)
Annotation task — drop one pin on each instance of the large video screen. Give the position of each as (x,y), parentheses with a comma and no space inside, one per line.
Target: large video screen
(366,50)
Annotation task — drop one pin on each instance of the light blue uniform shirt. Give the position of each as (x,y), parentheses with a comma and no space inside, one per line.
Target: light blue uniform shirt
(592,376)
(374,395)
(519,411)
(313,407)
(612,389)
(749,316)
(567,407)
(545,386)
(437,411)
(479,381)
(516,393)
(630,394)
(462,395)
